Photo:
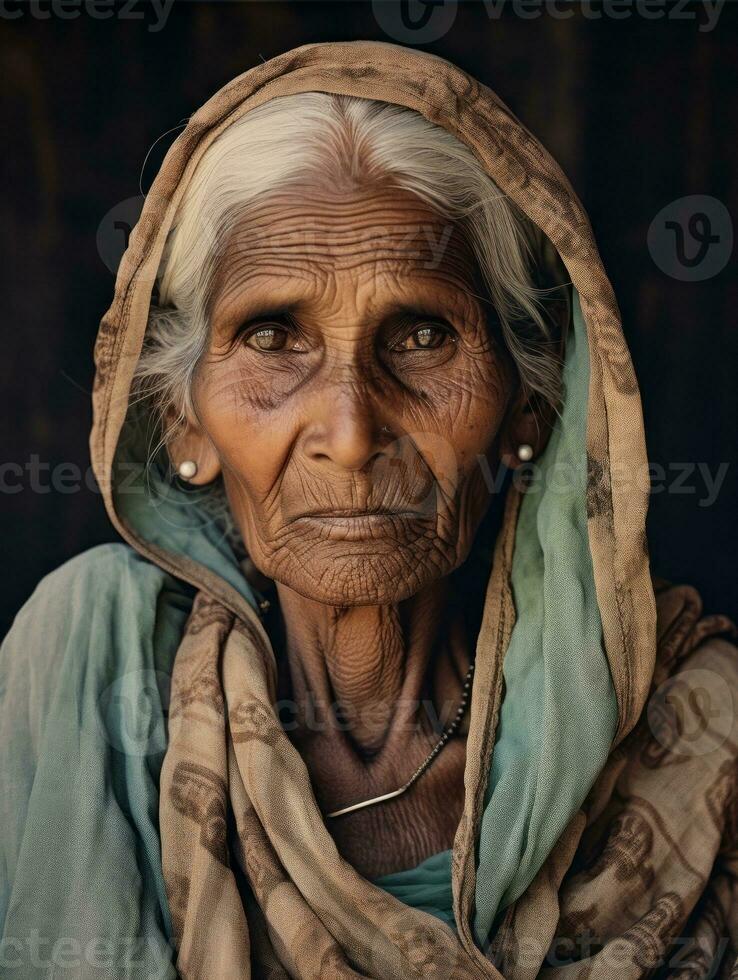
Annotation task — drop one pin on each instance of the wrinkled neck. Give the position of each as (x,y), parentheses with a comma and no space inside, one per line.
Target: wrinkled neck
(371,669)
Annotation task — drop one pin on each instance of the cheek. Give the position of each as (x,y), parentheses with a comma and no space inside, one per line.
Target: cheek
(469,409)
(457,416)
(252,440)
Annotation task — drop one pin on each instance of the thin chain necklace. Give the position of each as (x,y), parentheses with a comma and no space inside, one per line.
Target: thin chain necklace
(445,736)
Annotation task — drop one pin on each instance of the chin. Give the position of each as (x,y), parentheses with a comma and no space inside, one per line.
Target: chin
(359,581)
(356,576)
(360,560)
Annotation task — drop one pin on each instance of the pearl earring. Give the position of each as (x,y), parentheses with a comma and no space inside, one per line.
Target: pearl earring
(187,469)
(525,452)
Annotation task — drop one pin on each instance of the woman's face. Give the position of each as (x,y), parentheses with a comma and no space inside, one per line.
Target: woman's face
(352,393)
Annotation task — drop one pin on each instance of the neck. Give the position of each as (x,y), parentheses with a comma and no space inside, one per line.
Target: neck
(368,669)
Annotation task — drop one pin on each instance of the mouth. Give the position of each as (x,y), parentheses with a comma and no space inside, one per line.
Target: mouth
(360,525)
(360,512)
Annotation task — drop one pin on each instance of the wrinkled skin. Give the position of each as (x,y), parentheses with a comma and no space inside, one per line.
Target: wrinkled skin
(353,381)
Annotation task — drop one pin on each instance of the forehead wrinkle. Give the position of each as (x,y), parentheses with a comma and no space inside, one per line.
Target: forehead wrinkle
(455,265)
(396,247)
(291,205)
(297,224)
(313,223)
(344,224)
(360,231)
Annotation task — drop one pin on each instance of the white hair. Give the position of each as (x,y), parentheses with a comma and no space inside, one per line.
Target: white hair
(352,140)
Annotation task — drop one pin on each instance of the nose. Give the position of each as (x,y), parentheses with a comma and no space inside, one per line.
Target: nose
(345,428)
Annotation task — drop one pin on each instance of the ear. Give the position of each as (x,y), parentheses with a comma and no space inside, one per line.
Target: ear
(530,418)
(529,421)
(192,443)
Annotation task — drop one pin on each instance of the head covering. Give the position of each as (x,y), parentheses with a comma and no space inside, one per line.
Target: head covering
(569,618)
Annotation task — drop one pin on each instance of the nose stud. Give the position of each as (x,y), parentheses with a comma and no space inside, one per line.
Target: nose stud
(187,469)
(525,452)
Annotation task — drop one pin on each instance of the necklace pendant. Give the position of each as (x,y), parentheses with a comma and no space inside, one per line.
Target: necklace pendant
(446,735)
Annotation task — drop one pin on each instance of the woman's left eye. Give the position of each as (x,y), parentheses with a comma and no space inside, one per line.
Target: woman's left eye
(271,337)
(429,336)
(268,339)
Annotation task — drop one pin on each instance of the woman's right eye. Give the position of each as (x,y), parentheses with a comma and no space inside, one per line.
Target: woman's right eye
(269,339)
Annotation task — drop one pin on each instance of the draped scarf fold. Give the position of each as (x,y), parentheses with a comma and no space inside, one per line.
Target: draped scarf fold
(253,878)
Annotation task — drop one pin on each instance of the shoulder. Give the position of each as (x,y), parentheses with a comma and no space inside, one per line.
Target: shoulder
(686,637)
(691,715)
(106,576)
(110,582)
(97,616)
(84,675)
(674,778)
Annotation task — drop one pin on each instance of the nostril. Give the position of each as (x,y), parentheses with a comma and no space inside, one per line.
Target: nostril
(349,439)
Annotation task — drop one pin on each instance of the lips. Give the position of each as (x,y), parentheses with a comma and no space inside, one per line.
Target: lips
(360,525)
(338,512)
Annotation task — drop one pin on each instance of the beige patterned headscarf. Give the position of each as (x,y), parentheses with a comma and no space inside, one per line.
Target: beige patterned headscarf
(255,884)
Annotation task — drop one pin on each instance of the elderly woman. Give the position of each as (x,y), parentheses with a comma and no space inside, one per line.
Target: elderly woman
(377,687)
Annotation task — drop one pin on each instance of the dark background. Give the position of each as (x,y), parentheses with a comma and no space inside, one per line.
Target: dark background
(638,112)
